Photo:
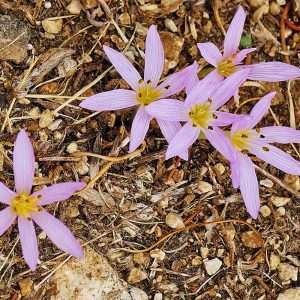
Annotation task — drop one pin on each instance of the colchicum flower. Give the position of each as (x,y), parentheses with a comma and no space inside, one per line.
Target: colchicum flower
(231,60)
(200,112)
(247,139)
(27,207)
(144,91)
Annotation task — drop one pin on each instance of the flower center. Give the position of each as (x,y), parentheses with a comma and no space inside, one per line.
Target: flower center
(240,140)
(24,205)
(226,67)
(147,93)
(201,115)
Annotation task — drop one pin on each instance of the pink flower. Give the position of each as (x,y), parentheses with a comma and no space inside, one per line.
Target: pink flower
(144,91)
(200,112)
(27,208)
(246,139)
(231,60)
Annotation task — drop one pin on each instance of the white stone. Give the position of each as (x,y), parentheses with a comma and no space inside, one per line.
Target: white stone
(47,5)
(169,23)
(265,211)
(158,254)
(280,201)
(52,26)
(174,220)
(212,266)
(266,182)
(72,148)
(92,278)
(204,187)
(74,7)
(287,272)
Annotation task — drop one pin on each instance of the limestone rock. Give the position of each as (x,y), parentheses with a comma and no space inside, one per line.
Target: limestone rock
(290,294)
(93,278)
(14,38)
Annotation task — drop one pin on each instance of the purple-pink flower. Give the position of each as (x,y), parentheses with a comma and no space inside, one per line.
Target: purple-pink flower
(27,207)
(231,60)
(144,91)
(246,139)
(200,112)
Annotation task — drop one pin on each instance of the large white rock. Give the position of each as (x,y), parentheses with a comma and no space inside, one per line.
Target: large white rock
(93,278)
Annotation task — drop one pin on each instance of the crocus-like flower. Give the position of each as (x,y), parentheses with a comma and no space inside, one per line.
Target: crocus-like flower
(144,91)
(246,139)
(231,60)
(27,207)
(200,112)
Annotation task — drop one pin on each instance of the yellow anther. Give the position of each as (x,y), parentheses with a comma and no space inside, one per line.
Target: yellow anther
(201,115)
(226,67)
(147,93)
(24,205)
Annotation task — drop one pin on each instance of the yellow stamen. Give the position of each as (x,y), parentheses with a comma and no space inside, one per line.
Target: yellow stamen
(226,67)
(147,93)
(24,205)
(240,140)
(201,115)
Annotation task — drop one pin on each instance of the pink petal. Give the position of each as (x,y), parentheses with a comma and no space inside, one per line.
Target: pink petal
(235,177)
(154,56)
(7,218)
(202,91)
(221,142)
(186,136)
(234,33)
(242,122)
(242,54)
(23,159)
(227,88)
(280,134)
(249,185)
(111,100)
(139,128)
(58,192)
(58,233)
(124,67)
(224,118)
(6,195)
(210,53)
(272,71)
(174,84)
(260,108)
(276,157)
(168,110)
(191,77)
(28,242)
(169,130)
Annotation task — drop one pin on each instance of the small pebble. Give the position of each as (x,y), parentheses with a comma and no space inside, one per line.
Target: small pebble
(204,252)
(204,187)
(287,272)
(72,148)
(47,5)
(220,168)
(265,211)
(274,261)
(274,8)
(212,266)
(281,211)
(158,254)
(174,220)
(169,23)
(136,275)
(266,182)
(280,201)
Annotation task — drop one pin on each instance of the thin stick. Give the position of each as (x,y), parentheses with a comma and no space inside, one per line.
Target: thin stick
(10,252)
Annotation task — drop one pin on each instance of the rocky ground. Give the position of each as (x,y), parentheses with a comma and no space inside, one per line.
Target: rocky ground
(51,52)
